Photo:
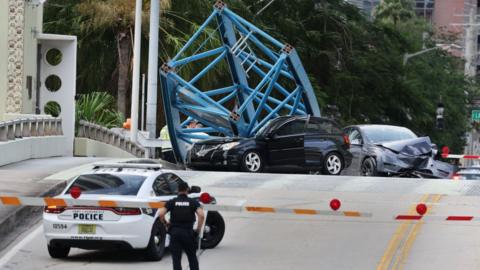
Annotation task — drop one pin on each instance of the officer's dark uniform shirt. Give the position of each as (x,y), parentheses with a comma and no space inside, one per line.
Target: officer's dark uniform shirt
(182,211)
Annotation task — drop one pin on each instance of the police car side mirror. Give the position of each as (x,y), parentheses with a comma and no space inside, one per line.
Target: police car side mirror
(195,189)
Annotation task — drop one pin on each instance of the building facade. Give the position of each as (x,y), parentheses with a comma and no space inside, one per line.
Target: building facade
(19,21)
(37,70)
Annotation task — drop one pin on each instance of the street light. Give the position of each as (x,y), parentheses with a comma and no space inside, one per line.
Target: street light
(407,56)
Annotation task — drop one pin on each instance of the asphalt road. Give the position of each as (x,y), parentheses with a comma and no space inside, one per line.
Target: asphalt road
(284,241)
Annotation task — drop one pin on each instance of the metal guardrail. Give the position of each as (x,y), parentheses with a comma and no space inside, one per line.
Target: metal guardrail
(105,135)
(30,127)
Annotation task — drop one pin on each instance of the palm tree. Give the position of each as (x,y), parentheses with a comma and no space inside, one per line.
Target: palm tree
(119,16)
(395,11)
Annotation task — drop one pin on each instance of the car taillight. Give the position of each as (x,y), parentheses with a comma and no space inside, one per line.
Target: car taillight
(206,198)
(346,140)
(456,176)
(54,209)
(122,211)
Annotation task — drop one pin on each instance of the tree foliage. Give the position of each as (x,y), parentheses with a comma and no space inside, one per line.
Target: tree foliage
(395,11)
(354,63)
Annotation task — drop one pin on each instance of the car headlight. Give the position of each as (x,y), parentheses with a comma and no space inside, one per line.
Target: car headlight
(228,146)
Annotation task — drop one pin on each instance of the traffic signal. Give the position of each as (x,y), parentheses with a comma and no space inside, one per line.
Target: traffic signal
(440,121)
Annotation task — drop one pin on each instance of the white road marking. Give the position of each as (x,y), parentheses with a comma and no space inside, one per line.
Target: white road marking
(241,202)
(13,251)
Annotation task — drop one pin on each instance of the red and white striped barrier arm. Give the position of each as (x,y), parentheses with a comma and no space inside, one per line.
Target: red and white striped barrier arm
(460,156)
(60,202)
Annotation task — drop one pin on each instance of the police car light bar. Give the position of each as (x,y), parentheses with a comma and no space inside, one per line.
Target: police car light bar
(144,166)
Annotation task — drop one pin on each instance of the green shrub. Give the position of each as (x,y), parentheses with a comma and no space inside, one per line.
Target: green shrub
(99,108)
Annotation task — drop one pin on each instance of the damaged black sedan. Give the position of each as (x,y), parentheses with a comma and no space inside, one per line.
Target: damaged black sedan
(286,143)
(383,150)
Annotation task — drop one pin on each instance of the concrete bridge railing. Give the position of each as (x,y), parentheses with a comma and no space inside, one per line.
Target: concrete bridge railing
(30,127)
(102,134)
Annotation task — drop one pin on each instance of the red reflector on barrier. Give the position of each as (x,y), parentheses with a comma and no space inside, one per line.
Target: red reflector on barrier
(421,209)
(335,204)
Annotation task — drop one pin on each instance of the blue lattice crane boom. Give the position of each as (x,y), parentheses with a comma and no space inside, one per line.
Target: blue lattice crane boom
(267,80)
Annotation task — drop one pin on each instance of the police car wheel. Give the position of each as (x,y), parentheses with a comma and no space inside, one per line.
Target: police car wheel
(252,161)
(156,246)
(58,252)
(214,230)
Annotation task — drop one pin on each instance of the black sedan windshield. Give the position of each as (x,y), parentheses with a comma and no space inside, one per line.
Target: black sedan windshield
(262,130)
(380,134)
(108,184)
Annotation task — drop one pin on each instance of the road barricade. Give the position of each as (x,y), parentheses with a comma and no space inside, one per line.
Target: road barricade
(420,214)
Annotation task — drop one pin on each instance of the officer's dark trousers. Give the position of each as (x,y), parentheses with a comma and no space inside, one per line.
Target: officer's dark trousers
(183,239)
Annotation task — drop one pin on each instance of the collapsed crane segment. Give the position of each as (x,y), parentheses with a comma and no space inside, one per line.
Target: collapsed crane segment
(257,78)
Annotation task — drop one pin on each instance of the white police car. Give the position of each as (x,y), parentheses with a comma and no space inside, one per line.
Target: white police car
(90,227)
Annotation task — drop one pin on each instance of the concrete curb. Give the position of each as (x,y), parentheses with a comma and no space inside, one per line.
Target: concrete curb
(20,219)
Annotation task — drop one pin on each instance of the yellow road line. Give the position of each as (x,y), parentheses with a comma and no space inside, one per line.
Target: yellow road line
(400,260)
(397,237)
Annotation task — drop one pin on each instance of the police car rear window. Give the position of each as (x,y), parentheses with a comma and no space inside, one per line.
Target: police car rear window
(108,184)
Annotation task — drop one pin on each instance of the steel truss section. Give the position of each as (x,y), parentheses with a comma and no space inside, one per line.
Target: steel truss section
(267,80)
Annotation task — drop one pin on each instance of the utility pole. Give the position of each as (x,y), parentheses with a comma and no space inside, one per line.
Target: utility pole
(153,69)
(471,36)
(471,33)
(136,71)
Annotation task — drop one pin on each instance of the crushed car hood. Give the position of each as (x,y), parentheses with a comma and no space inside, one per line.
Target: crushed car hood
(412,147)
(415,155)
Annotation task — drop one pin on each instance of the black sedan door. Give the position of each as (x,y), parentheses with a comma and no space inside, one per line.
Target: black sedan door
(322,136)
(285,146)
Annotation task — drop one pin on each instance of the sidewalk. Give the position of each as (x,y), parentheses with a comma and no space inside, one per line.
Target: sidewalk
(35,177)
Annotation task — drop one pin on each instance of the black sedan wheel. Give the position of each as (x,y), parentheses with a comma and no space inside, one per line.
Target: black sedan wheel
(369,167)
(332,164)
(252,162)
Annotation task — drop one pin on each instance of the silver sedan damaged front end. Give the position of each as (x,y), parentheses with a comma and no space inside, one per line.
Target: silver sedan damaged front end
(411,158)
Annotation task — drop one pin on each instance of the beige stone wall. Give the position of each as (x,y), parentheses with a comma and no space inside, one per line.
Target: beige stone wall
(90,148)
(16,9)
(3,56)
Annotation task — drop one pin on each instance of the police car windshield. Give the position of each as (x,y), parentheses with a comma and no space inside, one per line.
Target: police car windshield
(108,184)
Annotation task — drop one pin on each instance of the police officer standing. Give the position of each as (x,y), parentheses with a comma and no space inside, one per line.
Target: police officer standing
(182,217)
